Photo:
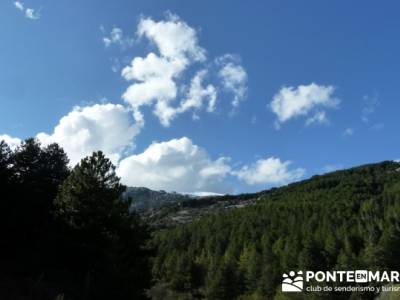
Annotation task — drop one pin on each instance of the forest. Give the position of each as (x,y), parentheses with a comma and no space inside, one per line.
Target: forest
(66,233)
(69,234)
(345,220)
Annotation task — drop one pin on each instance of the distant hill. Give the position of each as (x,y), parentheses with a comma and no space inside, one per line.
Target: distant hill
(163,209)
(344,220)
(188,210)
(144,199)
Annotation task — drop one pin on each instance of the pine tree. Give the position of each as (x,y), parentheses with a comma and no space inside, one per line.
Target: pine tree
(90,197)
(105,245)
(5,164)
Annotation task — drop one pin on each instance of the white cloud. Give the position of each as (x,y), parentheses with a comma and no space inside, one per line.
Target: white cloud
(158,79)
(175,165)
(29,13)
(270,171)
(156,87)
(173,38)
(154,82)
(116,37)
(152,66)
(291,102)
(12,142)
(32,14)
(106,127)
(234,77)
(318,118)
(348,132)
(19,5)
(155,76)
(197,94)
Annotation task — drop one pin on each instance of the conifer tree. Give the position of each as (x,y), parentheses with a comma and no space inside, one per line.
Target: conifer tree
(106,241)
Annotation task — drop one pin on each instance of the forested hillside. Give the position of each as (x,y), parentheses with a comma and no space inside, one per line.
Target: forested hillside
(69,233)
(343,220)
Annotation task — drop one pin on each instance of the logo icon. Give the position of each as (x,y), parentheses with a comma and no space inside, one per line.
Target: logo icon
(292,282)
(361,276)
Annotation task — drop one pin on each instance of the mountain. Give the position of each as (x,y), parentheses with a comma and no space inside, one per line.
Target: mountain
(144,199)
(345,220)
(188,210)
(162,209)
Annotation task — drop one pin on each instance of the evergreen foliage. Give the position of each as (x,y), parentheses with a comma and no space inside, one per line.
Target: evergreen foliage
(345,220)
(67,234)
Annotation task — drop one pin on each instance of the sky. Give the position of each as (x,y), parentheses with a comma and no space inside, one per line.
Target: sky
(204,96)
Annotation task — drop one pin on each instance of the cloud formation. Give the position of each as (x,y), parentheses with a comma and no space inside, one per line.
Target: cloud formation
(174,39)
(270,171)
(158,79)
(175,165)
(234,77)
(291,102)
(107,127)
(116,37)
(19,5)
(29,13)
(12,142)
(176,77)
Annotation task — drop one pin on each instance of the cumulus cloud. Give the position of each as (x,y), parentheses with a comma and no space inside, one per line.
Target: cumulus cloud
(271,171)
(154,82)
(291,102)
(12,142)
(29,13)
(234,77)
(175,165)
(173,38)
(159,79)
(116,37)
(155,76)
(198,94)
(107,127)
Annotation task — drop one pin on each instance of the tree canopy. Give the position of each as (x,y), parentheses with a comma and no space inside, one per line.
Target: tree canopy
(346,220)
(67,234)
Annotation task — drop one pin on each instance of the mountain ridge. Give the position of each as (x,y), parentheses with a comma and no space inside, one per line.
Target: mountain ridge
(343,220)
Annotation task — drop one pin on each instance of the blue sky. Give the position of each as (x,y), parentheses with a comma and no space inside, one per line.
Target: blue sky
(332,70)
